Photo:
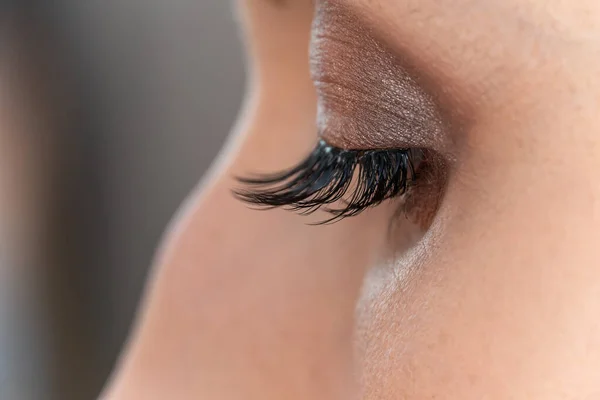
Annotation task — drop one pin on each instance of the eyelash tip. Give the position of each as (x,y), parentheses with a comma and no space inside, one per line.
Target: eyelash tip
(360,179)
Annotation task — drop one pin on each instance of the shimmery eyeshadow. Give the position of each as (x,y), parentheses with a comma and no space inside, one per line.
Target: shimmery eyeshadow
(368,98)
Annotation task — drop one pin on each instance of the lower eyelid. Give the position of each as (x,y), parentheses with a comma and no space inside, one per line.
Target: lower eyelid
(424,200)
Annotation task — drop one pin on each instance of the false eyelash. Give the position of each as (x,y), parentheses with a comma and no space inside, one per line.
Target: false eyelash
(358,179)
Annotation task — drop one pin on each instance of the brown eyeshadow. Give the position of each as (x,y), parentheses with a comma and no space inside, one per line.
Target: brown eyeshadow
(368,97)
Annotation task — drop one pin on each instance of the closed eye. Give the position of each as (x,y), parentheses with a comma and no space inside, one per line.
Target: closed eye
(342,182)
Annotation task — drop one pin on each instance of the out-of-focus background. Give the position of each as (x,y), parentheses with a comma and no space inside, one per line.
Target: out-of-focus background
(110,113)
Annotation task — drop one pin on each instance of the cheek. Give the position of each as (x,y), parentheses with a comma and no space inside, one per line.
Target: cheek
(499,300)
(414,340)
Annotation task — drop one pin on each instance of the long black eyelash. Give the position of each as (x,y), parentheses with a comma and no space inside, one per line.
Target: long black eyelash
(328,176)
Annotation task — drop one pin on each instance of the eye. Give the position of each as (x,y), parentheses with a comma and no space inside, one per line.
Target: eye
(382,134)
(353,179)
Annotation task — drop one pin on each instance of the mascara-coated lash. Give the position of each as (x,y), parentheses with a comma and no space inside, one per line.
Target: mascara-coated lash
(355,179)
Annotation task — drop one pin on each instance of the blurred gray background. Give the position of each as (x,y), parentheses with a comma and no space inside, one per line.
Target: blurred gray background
(125,104)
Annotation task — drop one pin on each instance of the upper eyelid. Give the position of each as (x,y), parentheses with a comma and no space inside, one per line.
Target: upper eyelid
(322,35)
(368,97)
(365,100)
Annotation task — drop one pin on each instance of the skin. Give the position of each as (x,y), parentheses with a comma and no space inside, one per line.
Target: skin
(499,300)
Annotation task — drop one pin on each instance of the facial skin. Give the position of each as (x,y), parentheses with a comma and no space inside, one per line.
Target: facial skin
(499,300)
